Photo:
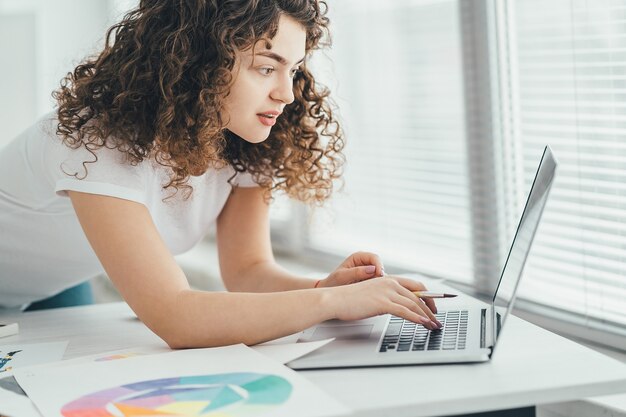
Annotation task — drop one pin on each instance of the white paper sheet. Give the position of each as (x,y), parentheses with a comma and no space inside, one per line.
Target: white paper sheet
(286,352)
(233,380)
(15,356)
(14,405)
(108,356)
(279,350)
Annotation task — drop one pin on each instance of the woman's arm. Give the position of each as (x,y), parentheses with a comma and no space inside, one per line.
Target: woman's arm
(140,266)
(245,253)
(247,263)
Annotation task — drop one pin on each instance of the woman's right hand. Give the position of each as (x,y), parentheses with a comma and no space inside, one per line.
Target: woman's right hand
(378,296)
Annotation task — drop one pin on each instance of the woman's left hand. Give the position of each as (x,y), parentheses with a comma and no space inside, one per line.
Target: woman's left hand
(359,266)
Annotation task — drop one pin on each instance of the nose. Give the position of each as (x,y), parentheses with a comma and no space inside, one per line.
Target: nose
(283,91)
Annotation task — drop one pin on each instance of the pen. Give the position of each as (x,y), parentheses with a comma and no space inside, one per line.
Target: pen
(427,294)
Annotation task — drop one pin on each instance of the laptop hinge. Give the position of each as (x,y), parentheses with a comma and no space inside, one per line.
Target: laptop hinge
(483,327)
(486,340)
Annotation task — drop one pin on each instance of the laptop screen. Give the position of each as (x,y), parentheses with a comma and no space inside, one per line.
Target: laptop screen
(514,265)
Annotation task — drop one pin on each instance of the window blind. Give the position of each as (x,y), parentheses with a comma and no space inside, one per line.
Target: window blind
(569,62)
(397,76)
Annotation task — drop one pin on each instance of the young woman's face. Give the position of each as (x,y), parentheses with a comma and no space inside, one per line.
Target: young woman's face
(263,82)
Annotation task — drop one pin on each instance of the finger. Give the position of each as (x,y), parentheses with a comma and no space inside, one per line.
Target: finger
(411,284)
(355,274)
(413,306)
(426,307)
(408,314)
(426,303)
(418,286)
(365,258)
(430,303)
(423,307)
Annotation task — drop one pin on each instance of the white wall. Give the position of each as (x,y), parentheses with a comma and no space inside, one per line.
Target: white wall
(18,79)
(40,41)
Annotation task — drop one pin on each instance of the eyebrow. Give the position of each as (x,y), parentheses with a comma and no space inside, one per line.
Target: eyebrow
(277,57)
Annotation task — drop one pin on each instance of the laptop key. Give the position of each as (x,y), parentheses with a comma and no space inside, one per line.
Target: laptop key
(393,329)
(403,335)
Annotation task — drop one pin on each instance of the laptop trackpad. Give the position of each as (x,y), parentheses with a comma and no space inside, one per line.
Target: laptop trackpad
(350,332)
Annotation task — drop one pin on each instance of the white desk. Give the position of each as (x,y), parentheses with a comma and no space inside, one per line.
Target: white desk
(531,366)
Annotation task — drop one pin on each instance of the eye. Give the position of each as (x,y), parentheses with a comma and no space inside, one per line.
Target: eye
(266,70)
(294,72)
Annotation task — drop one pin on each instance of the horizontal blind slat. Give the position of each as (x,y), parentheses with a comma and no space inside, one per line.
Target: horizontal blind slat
(406,192)
(571,83)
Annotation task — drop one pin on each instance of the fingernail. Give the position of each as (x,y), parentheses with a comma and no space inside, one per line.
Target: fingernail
(370,269)
(382,271)
(439,324)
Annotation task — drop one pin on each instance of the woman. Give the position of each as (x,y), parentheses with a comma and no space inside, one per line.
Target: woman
(194,113)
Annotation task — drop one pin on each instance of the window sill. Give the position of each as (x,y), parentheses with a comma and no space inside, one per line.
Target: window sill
(607,406)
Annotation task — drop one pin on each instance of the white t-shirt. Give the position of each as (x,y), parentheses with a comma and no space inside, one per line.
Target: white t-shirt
(43,249)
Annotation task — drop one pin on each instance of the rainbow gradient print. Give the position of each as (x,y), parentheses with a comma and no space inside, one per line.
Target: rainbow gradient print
(117,356)
(219,395)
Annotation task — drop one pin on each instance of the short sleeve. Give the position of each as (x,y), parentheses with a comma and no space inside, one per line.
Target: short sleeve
(111,174)
(244,180)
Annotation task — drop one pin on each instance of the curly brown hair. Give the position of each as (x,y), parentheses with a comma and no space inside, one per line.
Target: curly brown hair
(157,90)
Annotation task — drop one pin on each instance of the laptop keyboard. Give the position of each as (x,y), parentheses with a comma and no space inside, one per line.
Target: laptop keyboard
(403,335)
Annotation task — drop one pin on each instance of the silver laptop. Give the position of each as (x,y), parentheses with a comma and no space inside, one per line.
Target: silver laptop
(469,333)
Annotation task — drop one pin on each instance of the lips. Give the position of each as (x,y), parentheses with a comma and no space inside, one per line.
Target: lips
(268,118)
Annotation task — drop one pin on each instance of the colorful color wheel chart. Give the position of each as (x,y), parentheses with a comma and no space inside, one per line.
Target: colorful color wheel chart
(223,395)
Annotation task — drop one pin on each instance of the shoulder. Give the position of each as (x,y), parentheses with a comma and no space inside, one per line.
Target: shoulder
(103,170)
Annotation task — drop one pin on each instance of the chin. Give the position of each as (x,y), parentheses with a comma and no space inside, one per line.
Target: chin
(251,135)
(256,137)
(255,140)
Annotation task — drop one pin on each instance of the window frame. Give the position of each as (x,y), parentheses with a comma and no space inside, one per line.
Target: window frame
(495,168)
